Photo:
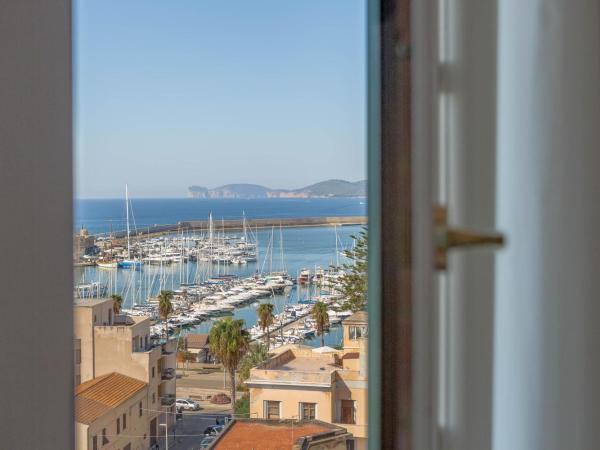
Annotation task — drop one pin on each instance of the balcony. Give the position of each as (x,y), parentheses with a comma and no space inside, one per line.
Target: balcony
(165,350)
(167,399)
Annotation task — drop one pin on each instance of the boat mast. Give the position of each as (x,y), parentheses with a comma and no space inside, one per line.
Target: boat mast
(127,214)
(337,252)
(283,269)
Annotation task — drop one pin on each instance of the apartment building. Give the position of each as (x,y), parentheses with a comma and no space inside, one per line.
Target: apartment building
(111,414)
(303,383)
(118,343)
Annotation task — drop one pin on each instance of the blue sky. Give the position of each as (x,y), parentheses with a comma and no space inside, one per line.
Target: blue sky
(210,92)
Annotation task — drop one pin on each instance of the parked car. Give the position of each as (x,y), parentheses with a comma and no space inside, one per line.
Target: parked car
(213,430)
(206,441)
(223,420)
(187,403)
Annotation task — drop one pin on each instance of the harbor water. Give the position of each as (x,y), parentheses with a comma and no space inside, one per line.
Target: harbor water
(291,249)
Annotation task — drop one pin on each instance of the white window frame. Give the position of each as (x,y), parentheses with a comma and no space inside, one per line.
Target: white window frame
(266,408)
(300,410)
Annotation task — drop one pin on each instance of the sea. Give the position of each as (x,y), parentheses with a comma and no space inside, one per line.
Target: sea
(293,249)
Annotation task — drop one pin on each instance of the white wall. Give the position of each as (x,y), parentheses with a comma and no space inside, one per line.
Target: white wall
(547,336)
(36,339)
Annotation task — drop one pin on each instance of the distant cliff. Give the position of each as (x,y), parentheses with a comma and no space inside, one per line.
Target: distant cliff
(324,189)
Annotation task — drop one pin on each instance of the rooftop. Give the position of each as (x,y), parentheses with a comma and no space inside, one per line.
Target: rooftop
(91,302)
(297,366)
(359,317)
(196,340)
(307,364)
(273,434)
(97,397)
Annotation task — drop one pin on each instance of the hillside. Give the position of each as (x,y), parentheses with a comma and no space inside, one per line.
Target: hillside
(337,188)
(324,189)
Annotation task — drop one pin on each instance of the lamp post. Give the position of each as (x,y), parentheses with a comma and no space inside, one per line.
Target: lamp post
(166,433)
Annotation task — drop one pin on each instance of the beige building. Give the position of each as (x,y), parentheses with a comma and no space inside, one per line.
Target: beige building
(81,242)
(302,383)
(198,345)
(118,343)
(111,413)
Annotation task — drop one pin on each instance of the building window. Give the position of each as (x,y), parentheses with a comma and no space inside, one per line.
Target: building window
(110,316)
(78,356)
(153,397)
(95,442)
(104,438)
(152,371)
(95,318)
(357,332)
(118,425)
(350,444)
(124,420)
(308,411)
(272,409)
(347,412)
(141,411)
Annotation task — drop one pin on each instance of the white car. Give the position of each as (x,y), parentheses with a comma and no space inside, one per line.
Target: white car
(187,403)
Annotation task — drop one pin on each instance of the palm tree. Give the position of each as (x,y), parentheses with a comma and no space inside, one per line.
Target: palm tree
(266,319)
(256,354)
(321,317)
(229,342)
(117,303)
(165,308)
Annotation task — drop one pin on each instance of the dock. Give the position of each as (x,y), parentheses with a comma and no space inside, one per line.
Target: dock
(285,327)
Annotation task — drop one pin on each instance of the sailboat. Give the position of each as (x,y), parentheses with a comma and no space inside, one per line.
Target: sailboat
(107,264)
(128,262)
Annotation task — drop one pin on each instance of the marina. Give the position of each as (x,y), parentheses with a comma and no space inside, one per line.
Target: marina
(217,272)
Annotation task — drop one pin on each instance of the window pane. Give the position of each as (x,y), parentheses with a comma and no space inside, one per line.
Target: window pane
(220,219)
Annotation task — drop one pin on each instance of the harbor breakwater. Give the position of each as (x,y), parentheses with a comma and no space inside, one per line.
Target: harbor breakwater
(238,224)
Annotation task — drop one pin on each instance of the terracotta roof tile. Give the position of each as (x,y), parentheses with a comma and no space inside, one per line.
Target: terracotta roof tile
(196,340)
(245,435)
(96,397)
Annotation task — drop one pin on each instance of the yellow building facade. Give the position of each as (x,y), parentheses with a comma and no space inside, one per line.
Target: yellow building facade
(106,342)
(300,382)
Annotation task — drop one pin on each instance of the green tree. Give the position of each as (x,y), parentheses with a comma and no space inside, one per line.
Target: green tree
(321,317)
(242,407)
(354,280)
(266,319)
(117,303)
(229,342)
(257,354)
(165,309)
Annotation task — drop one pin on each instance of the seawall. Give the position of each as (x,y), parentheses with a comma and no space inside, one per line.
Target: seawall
(236,225)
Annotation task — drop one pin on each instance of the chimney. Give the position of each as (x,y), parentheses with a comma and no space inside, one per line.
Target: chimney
(363,356)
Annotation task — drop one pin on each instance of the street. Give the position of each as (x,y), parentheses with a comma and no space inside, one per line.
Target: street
(189,431)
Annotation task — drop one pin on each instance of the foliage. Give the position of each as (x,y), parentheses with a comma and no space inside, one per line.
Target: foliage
(266,319)
(183,356)
(220,399)
(321,316)
(229,342)
(242,407)
(165,308)
(117,303)
(181,344)
(354,281)
(257,354)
